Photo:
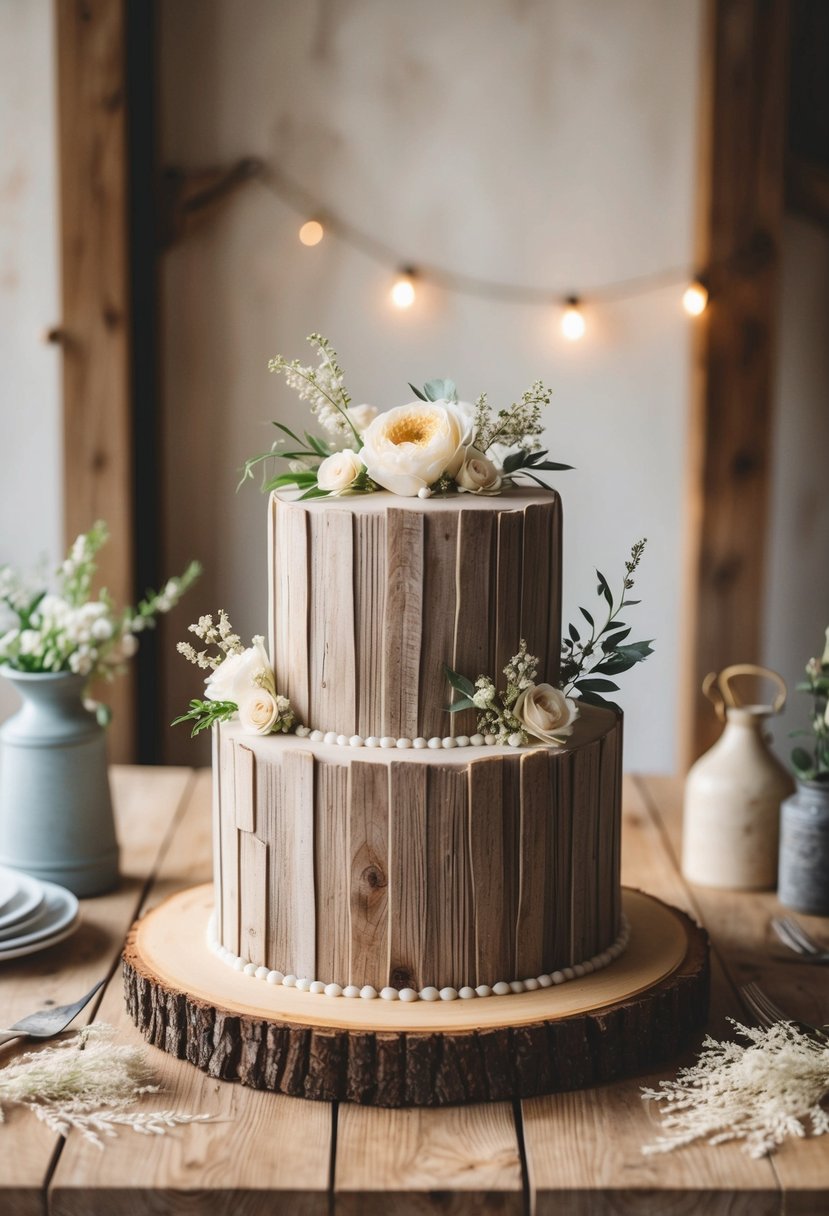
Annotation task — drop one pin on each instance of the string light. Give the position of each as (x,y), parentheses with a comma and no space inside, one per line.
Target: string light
(572,320)
(403,292)
(311,232)
(695,298)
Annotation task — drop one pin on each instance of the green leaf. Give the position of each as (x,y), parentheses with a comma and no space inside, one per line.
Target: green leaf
(802,762)
(613,640)
(314,492)
(537,480)
(592,685)
(551,465)
(319,445)
(440,390)
(615,664)
(630,603)
(464,703)
(515,460)
(308,478)
(417,392)
(604,588)
(587,617)
(574,633)
(594,698)
(460,683)
(287,431)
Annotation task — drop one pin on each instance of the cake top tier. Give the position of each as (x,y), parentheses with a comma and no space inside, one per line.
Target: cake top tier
(373,596)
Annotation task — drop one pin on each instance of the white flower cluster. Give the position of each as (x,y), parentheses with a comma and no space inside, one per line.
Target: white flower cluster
(63,629)
(524,710)
(323,387)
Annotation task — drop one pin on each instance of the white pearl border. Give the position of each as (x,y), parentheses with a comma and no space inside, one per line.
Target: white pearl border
(388,741)
(429,993)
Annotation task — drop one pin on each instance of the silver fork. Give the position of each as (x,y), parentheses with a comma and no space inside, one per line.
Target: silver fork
(45,1023)
(767,1013)
(797,939)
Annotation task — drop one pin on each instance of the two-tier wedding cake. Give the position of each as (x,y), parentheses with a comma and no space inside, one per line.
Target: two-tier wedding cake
(416,785)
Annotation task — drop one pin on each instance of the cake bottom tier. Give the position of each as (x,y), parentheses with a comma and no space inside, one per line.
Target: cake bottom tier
(414,869)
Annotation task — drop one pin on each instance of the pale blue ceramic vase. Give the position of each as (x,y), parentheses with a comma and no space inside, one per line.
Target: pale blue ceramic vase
(56,817)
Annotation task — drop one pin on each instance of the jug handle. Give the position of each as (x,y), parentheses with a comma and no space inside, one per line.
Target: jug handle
(716,686)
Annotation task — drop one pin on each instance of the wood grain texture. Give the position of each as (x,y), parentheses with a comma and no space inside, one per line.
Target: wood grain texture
(229,844)
(411,1162)
(560,929)
(403,623)
(538,579)
(331,871)
(494,851)
(536,899)
(508,586)
(331,658)
(449,957)
(369,614)
(95,280)
(472,652)
(285,794)
(368,852)
(253,898)
(290,637)
(216,822)
(730,441)
(244,778)
(586,791)
(408,829)
(438,635)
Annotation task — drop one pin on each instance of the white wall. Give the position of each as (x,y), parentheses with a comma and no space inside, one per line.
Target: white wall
(548,144)
(30,420)
(797,593)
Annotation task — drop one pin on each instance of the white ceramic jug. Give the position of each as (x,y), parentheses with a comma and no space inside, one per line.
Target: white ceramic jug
(730,830)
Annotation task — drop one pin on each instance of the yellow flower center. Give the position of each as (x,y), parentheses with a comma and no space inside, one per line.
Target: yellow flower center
(417,429)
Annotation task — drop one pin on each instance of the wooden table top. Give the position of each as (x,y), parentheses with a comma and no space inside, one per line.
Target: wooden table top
(575,1154)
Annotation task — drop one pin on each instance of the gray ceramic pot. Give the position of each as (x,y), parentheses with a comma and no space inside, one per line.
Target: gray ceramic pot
(804,849)
(55,808)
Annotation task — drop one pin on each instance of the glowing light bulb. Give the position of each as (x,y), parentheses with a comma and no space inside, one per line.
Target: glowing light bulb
(311,232)
(403,290)
(695,298)
(572,320)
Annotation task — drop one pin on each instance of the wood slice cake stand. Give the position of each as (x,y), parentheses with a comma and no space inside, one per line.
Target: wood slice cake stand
(628,1018)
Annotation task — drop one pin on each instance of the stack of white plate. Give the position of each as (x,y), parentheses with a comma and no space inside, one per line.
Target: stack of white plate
(33,914)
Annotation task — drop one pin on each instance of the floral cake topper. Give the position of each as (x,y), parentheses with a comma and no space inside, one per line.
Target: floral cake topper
(436,444)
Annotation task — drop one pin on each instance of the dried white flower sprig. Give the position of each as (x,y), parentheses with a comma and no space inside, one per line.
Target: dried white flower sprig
(760,1093)
(241,681)
(90,1084)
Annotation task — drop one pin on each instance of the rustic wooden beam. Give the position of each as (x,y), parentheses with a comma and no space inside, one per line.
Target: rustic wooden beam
(95,328)
(740,211)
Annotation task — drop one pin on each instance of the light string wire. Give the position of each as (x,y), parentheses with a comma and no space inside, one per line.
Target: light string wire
(304,204)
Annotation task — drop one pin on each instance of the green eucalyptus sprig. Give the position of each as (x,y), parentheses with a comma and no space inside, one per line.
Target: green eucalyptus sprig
(204,714)
(588,662)
(813,765)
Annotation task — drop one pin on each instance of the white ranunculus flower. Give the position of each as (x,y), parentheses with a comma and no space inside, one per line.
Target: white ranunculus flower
(240,673)
(477,474)
(258,711)
(337,472)
(360,416)
(406,449)
(545,713)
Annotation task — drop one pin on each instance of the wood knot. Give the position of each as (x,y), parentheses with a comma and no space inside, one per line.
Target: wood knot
(374,877)
(111,316)
(401,977)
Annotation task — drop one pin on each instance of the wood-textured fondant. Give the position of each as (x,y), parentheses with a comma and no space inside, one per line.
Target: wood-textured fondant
(370,598)
(415,868)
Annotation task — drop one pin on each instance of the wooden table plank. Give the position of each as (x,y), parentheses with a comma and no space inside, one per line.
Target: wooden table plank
(145,801)
(262,1153)
(738,922)
(458,1160)
(583,1149)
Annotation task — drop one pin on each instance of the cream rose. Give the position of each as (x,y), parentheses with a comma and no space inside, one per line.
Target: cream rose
(337,472)
(258,711)
(408,448)
(239,673)
(545,713)
(477,474)
(360,416)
